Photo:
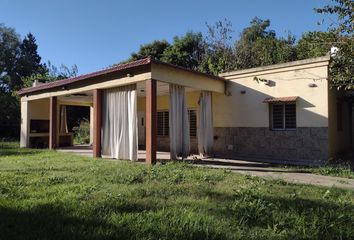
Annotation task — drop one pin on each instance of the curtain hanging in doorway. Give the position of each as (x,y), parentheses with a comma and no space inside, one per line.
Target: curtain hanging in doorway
(205,124)
(63,120)
(119,123)
(179,124)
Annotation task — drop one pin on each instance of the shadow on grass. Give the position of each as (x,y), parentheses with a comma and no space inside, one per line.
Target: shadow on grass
(49,222)
(293,216)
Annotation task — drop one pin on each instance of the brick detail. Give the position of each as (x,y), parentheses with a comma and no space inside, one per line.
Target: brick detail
(302,144)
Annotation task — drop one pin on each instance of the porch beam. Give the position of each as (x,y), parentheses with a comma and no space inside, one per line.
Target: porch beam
(151,121)
(53,124)
(97,122)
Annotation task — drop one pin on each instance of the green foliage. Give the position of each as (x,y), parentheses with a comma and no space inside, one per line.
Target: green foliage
(259,46)
(154,49)
(219,53)
(82,134)
(20,65)
(186,51)
(342,65)
(52,195)
(315,44)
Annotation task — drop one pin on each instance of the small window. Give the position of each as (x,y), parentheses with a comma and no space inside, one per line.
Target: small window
(162,123)
(283,116)
(192,116)
(339,116)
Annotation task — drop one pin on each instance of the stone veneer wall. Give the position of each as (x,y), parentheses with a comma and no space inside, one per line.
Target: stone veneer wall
(302,144)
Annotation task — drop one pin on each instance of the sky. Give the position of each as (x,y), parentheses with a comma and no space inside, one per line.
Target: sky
(96,34)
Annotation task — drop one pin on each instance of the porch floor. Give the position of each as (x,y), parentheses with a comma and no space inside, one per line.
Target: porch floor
(86,150)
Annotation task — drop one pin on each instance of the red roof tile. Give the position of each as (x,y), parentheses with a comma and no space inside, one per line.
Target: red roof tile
(63,82)
(117,68)
(280,99)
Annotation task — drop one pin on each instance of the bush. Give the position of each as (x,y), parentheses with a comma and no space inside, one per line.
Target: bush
(82,132)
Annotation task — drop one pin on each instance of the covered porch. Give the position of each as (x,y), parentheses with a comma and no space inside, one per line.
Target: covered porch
(149,83)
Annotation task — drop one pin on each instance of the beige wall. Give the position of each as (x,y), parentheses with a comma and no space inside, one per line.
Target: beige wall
(248,110)
(163,102)
(37,109)
(186,78)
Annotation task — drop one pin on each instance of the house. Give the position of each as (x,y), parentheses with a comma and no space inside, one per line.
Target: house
(285,111)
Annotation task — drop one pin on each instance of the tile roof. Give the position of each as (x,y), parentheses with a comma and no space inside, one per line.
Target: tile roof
(64,82)
(141,62)
(280,99)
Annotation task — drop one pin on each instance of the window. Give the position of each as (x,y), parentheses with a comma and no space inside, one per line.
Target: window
(283,116)
(163,123)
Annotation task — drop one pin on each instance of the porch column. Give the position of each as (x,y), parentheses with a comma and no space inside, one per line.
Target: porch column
(151,121)
(53,123)
(97,121)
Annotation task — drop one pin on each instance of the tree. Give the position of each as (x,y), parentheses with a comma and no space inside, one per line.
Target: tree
(342,64)
(51,73)
(219,54)
(154,49)
(186,51)
(259,46)
(315,44)
(9,52)
(29,61)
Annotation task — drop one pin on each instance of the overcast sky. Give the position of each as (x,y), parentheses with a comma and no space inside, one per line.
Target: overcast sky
(96,34)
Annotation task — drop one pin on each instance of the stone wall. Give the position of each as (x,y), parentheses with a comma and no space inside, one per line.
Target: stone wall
(302,144)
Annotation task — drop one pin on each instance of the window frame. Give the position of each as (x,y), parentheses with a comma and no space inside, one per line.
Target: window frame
(271,117)
(165,130)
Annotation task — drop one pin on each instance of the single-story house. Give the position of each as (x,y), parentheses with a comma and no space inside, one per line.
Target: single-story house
(284,111)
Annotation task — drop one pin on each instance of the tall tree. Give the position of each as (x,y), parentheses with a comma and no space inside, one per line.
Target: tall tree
(342,64)
(259,46)
(315,44)
(9,52)
(154,49)
(186,51)
(29,61)
(219,53)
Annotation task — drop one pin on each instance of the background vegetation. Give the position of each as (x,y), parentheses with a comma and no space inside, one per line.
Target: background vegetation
(212,52)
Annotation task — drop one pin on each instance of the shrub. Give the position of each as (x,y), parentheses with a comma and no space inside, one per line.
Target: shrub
(82,132)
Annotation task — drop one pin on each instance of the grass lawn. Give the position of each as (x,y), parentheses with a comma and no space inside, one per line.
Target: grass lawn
(343,170)
(51,195)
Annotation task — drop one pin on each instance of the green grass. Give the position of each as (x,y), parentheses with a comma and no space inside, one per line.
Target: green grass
(51,195)
(343,170)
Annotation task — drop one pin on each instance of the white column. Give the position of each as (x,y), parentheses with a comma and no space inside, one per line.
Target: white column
(24,135)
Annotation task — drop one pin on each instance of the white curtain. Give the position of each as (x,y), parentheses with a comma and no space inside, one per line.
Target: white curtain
(119,123)
(63,120)
(179,123)
(205,124)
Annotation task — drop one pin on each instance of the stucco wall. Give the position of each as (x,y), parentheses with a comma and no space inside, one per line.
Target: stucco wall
(163,102)
(242,120)
(248,110)
(36,109)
